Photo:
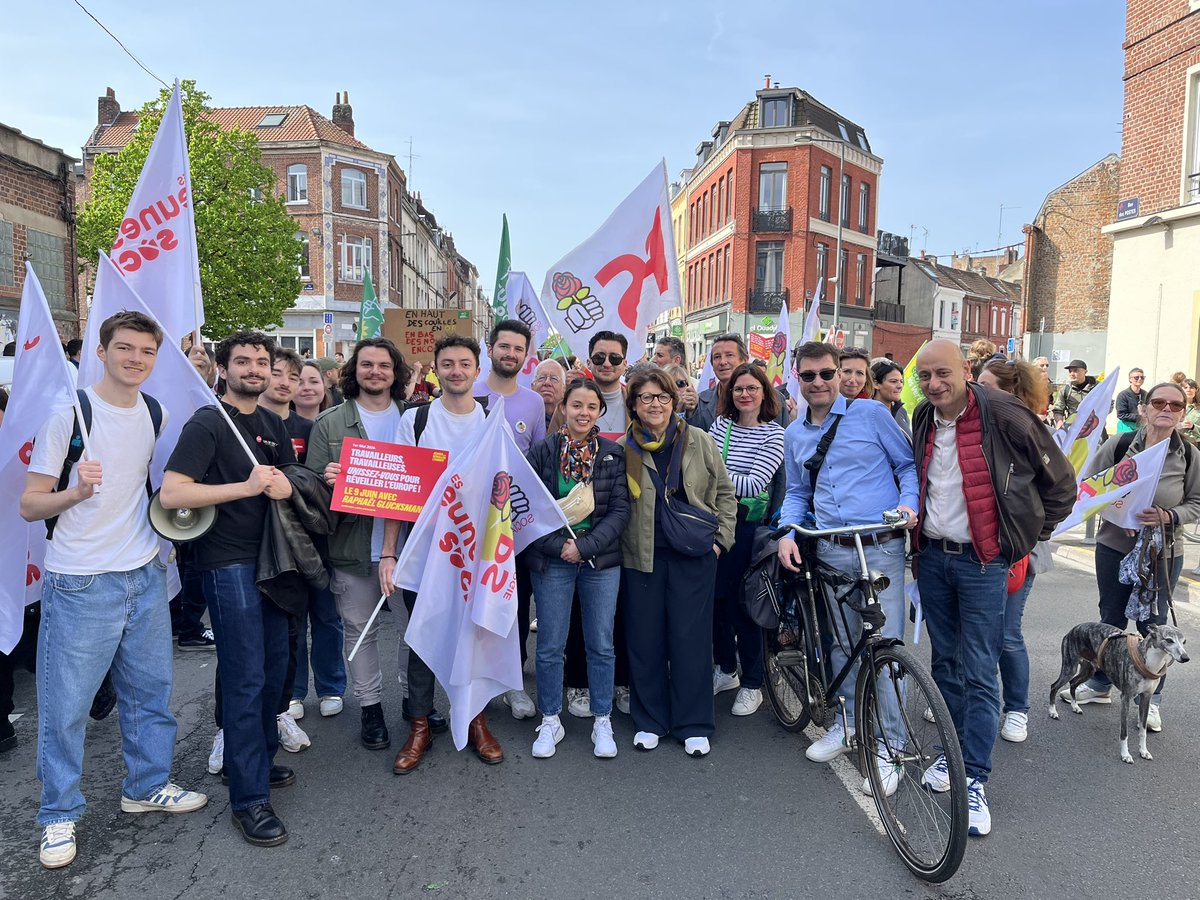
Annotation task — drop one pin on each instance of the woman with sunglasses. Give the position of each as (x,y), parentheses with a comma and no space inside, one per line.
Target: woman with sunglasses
(856,374)
(1176,503)
(888,377)
(688,398)
(669,593)
(1189,427)
(588,563)
(751,445)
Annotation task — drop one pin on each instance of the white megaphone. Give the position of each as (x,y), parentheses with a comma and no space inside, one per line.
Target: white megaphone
(180,525)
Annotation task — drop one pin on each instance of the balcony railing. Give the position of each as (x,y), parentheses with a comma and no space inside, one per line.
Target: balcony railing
(772,220)
(886,311)
(763,302)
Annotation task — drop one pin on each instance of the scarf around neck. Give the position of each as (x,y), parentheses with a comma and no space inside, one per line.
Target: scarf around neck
(575,462)
(641,441)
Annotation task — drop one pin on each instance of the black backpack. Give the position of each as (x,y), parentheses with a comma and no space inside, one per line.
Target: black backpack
(1125,441)
(75,445)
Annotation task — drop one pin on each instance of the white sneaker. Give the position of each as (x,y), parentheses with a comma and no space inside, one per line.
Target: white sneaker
(1085,694)
(579,702)
(724,682)
(697,746)
(296,709)
(645,740)
(1154,718)
(216,759)
(1016,727)
(58,845)
(890,775)
(620,699)
(291,736)
(937,776)
(533,626)
(747,702)
(331,706)
(168,798)
(602,737)
(549,733)
(980,818)
(520,704)
(834,744)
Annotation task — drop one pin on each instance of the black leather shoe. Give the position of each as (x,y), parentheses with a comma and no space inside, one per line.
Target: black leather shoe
(281,776)
(260,826)
(437,722)
(374,729)
(8,735)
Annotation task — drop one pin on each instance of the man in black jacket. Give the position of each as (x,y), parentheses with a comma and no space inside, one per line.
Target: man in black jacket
(1130,402)
(728,352)
(1079,385)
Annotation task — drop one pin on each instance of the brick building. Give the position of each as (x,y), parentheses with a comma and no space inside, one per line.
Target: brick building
(1000,264)
(37,224)
(1068,268)
(1154,305)
(763,205)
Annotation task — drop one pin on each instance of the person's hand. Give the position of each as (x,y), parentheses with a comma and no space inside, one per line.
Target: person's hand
(259,480)
(791,409)
(332,471)
(91,473)
(717,551)
(278,488)
(1154,516)
(688,398)
(912,517)
(387,568)
(570,552)
(789,554)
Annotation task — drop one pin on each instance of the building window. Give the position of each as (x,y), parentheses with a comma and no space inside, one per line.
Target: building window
(711,280)
(864,207)
(822,261)
(302,269)
(704,215)
(356,257)
(823,192)
(703,276)
(692,224)
(717,277)
(728,192)
(46,253)
(354,189)
(727,276)
(772,186)
(777,112)
(844,203)
(297,184)
(256,193)
(843,268)
(691,284)
(768,266)
(6,254)
(1191,154)
(720,198)
(860,279)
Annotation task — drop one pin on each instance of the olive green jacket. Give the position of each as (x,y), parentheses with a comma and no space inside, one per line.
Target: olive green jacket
(707,485)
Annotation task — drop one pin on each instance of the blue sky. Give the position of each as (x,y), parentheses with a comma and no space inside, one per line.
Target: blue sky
(552,112)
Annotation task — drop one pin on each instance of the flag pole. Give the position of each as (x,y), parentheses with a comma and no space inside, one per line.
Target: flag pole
(367,628)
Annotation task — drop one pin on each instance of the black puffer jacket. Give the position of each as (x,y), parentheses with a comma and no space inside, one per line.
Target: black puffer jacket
(288,557)
(602,544)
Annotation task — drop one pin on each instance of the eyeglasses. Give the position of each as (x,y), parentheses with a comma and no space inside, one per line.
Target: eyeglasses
(1164,403)
(682,383)
(810,377)
(654,399)
(543,379)
(1137,377)
(614,359)
(748,389)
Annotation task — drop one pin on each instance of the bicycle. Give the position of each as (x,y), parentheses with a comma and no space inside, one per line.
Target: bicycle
(927,828)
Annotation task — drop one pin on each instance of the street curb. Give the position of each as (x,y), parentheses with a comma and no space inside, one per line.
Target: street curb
(1086,556)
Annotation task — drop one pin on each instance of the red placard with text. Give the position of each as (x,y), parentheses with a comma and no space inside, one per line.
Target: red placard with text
(391,481)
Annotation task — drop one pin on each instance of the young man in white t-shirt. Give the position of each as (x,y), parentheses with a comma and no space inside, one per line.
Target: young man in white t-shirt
(104,599)
(453,421)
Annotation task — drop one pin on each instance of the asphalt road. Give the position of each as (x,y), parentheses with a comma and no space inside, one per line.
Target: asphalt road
(753,819)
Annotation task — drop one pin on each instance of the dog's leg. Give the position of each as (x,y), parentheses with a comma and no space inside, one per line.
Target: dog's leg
(1063,675)
(1086,670)
(1125,755)
(1143,711)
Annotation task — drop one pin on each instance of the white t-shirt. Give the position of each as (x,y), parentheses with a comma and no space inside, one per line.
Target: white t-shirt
(110,531)
(444,431)
(380,426)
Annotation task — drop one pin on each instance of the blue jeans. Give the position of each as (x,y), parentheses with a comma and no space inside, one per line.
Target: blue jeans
(89,624)
(887,558)
(1014,658)
(252,652)
(328,667)
(555,589)
(964,602)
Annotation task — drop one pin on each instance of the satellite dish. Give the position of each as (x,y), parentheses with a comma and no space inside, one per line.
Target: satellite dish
(180,525)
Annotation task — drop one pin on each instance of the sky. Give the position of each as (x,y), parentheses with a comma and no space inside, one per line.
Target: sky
(553,112)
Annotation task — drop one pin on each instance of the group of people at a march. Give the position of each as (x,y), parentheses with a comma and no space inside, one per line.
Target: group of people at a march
(629,617)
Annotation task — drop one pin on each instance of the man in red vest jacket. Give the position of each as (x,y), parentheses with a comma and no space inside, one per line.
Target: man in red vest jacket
(992,484)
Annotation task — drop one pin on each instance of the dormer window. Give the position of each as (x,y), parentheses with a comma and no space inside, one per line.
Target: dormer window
(776,112)
(272,120)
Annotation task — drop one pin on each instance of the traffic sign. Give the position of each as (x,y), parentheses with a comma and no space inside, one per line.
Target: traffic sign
(328,318)
(1012,345)
(839,339)
(328,328)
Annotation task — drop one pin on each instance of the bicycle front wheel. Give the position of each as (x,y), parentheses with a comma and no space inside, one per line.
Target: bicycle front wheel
(904,729)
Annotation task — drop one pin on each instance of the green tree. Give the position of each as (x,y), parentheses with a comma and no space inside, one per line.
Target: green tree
(246,240)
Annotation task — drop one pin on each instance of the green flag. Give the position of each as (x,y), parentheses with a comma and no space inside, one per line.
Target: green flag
(912,394)
(503,267)
(370,316)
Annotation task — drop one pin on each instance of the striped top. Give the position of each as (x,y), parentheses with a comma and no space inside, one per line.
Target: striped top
(754,454)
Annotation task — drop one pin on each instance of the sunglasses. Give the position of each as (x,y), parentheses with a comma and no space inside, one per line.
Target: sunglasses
(810,377)
(1164,403)
(614,359)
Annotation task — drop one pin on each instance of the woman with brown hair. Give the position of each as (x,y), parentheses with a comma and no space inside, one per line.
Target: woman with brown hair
(1189,426)
(311,396)
(681,497)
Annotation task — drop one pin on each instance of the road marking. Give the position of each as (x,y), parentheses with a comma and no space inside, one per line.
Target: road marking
(848,775)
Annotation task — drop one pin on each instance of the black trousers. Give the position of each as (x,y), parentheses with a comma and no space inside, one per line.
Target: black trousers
(735,635)
(187,607)
(524,593)
(24,655)
(668,628)
(421,679)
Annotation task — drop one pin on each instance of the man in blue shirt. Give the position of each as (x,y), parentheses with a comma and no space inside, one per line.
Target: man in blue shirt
(868,469)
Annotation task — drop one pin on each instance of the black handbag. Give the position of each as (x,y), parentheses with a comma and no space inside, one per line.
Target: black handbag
(687,529)
(760,587)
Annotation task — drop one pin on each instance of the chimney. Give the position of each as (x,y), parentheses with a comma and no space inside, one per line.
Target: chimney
(777,85)
(343,114)
(107,108)
(766,82)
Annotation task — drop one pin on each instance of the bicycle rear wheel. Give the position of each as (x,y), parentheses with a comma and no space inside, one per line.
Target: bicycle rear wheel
(787,679)
(897,744)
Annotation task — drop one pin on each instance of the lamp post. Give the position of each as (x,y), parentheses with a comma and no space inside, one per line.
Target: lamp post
(837,266)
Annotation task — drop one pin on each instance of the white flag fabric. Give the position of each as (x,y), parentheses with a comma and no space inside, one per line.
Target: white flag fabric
(43,384)
(524,305)
(708,378)
(1080,439)
(155,246)
(623,277)
(1120,493)
(812,327)
(460,559)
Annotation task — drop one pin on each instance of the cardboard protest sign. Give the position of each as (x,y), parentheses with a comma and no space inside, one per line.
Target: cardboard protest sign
(391,481)
(415,331)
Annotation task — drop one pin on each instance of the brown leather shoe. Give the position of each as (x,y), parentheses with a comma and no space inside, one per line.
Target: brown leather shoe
(420,739)
(486,747)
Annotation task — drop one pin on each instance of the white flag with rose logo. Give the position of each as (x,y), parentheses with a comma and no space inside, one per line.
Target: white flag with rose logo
(1118,494)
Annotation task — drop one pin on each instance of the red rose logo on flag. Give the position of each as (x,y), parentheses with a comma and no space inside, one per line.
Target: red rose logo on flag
(1125,472)
(1088,426)
(582,307)
(498,544)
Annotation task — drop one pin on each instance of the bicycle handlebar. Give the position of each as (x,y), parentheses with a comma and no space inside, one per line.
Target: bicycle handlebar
(893,519)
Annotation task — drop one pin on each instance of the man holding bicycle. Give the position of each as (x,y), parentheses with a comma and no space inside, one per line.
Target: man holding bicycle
(846,463)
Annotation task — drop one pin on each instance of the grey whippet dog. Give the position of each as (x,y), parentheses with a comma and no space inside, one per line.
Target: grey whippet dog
(1134,665)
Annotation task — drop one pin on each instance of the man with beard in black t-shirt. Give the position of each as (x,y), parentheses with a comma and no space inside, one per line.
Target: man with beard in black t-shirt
(209,467)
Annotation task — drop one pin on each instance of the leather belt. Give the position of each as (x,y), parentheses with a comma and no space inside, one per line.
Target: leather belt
(847,540)
(954,548)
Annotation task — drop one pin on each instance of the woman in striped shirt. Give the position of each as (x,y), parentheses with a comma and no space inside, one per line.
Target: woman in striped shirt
(751,444)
